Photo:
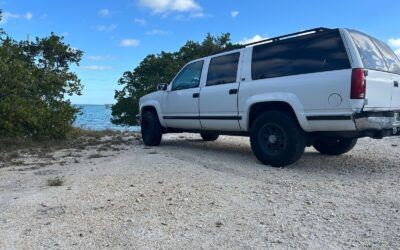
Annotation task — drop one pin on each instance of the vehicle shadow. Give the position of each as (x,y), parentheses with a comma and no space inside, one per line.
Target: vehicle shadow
(237,157)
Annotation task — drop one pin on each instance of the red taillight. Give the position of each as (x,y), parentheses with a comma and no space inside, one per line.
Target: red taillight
(358,84)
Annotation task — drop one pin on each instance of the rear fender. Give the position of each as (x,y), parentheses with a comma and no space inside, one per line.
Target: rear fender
(288,98)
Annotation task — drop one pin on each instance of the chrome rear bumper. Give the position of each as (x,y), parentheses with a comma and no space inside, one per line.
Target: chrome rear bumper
(378,121)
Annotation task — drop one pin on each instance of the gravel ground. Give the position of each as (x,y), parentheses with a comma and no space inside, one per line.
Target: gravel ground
(204,195)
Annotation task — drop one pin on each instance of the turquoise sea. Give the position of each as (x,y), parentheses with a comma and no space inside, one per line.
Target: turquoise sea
(97,117)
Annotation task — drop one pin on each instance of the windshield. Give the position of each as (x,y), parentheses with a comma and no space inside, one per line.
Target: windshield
(375,54)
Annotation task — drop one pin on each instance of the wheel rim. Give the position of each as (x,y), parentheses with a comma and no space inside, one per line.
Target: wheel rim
(272,138)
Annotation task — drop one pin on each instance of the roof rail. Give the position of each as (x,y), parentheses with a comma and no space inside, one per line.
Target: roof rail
(278,38)
(274,39)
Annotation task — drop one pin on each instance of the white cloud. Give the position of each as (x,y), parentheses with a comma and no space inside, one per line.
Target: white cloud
(107,28)
(162,6)
(95,58)
(395,42)
(129,43)
(234,13)
(99,58)
(140,21)
(157,32)
(166,7)
(8,16)
(95,68)
(28,16)
(198,15)
(104,12)
(253,39)
(193,15)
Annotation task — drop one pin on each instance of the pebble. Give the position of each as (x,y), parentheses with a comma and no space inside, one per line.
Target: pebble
(219,224)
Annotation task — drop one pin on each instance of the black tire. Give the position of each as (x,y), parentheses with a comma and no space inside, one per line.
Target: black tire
(209,136)
(276,139)
(334,145)
(151,129)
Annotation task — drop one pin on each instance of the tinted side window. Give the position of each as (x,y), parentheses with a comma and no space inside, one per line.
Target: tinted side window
(370,55)
(300,55)
(223,69)
(272,60)
(189,77)
(319,52)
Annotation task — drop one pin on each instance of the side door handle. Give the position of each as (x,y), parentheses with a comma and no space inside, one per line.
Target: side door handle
(396,84)
(196,95)
(233,91)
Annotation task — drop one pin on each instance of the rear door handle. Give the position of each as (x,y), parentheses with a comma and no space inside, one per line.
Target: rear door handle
(233,91)
(196,95)
(396,84)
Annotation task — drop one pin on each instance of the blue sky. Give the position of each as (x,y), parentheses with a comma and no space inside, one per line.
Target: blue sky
(117,35)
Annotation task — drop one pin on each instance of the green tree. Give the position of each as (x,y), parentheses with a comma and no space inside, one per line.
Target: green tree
(35,77)
(159,68)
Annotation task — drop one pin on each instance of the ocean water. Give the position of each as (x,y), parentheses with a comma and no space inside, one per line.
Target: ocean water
(98,117)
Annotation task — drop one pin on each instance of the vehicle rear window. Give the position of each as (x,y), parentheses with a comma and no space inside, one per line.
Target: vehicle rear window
(392,61)
(223,69)
(370,55)
(313,53)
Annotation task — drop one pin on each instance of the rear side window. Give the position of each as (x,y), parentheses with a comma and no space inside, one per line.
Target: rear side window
(300,55)
(392,61)
(370,55)
(223,69)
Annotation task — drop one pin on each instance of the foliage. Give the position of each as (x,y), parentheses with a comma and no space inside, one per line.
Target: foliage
(160,68)
(35,77)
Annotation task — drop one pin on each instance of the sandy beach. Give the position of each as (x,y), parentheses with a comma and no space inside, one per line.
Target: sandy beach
(189,194)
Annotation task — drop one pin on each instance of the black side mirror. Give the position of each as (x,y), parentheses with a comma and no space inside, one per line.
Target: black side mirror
(162,86)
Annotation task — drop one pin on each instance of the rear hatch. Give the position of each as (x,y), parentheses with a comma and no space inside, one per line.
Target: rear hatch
(383,72)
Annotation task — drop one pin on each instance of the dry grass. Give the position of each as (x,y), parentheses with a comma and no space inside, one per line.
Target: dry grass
(14,150)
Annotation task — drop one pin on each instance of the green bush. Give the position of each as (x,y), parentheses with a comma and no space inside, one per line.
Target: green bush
(35,78)
(160,68)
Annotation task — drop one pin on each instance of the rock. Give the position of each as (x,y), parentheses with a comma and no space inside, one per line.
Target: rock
(219,224)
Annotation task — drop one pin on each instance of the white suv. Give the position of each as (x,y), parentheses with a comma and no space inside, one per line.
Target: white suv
(322,87)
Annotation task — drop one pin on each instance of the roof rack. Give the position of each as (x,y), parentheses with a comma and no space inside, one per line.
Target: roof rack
(276,39)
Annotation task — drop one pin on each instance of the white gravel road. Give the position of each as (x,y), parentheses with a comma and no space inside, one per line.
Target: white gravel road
(189,194)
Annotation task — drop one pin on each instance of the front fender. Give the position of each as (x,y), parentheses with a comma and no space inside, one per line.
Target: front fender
(155,104)
(288,98)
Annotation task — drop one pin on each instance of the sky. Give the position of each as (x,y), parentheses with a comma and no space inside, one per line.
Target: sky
(116,35)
